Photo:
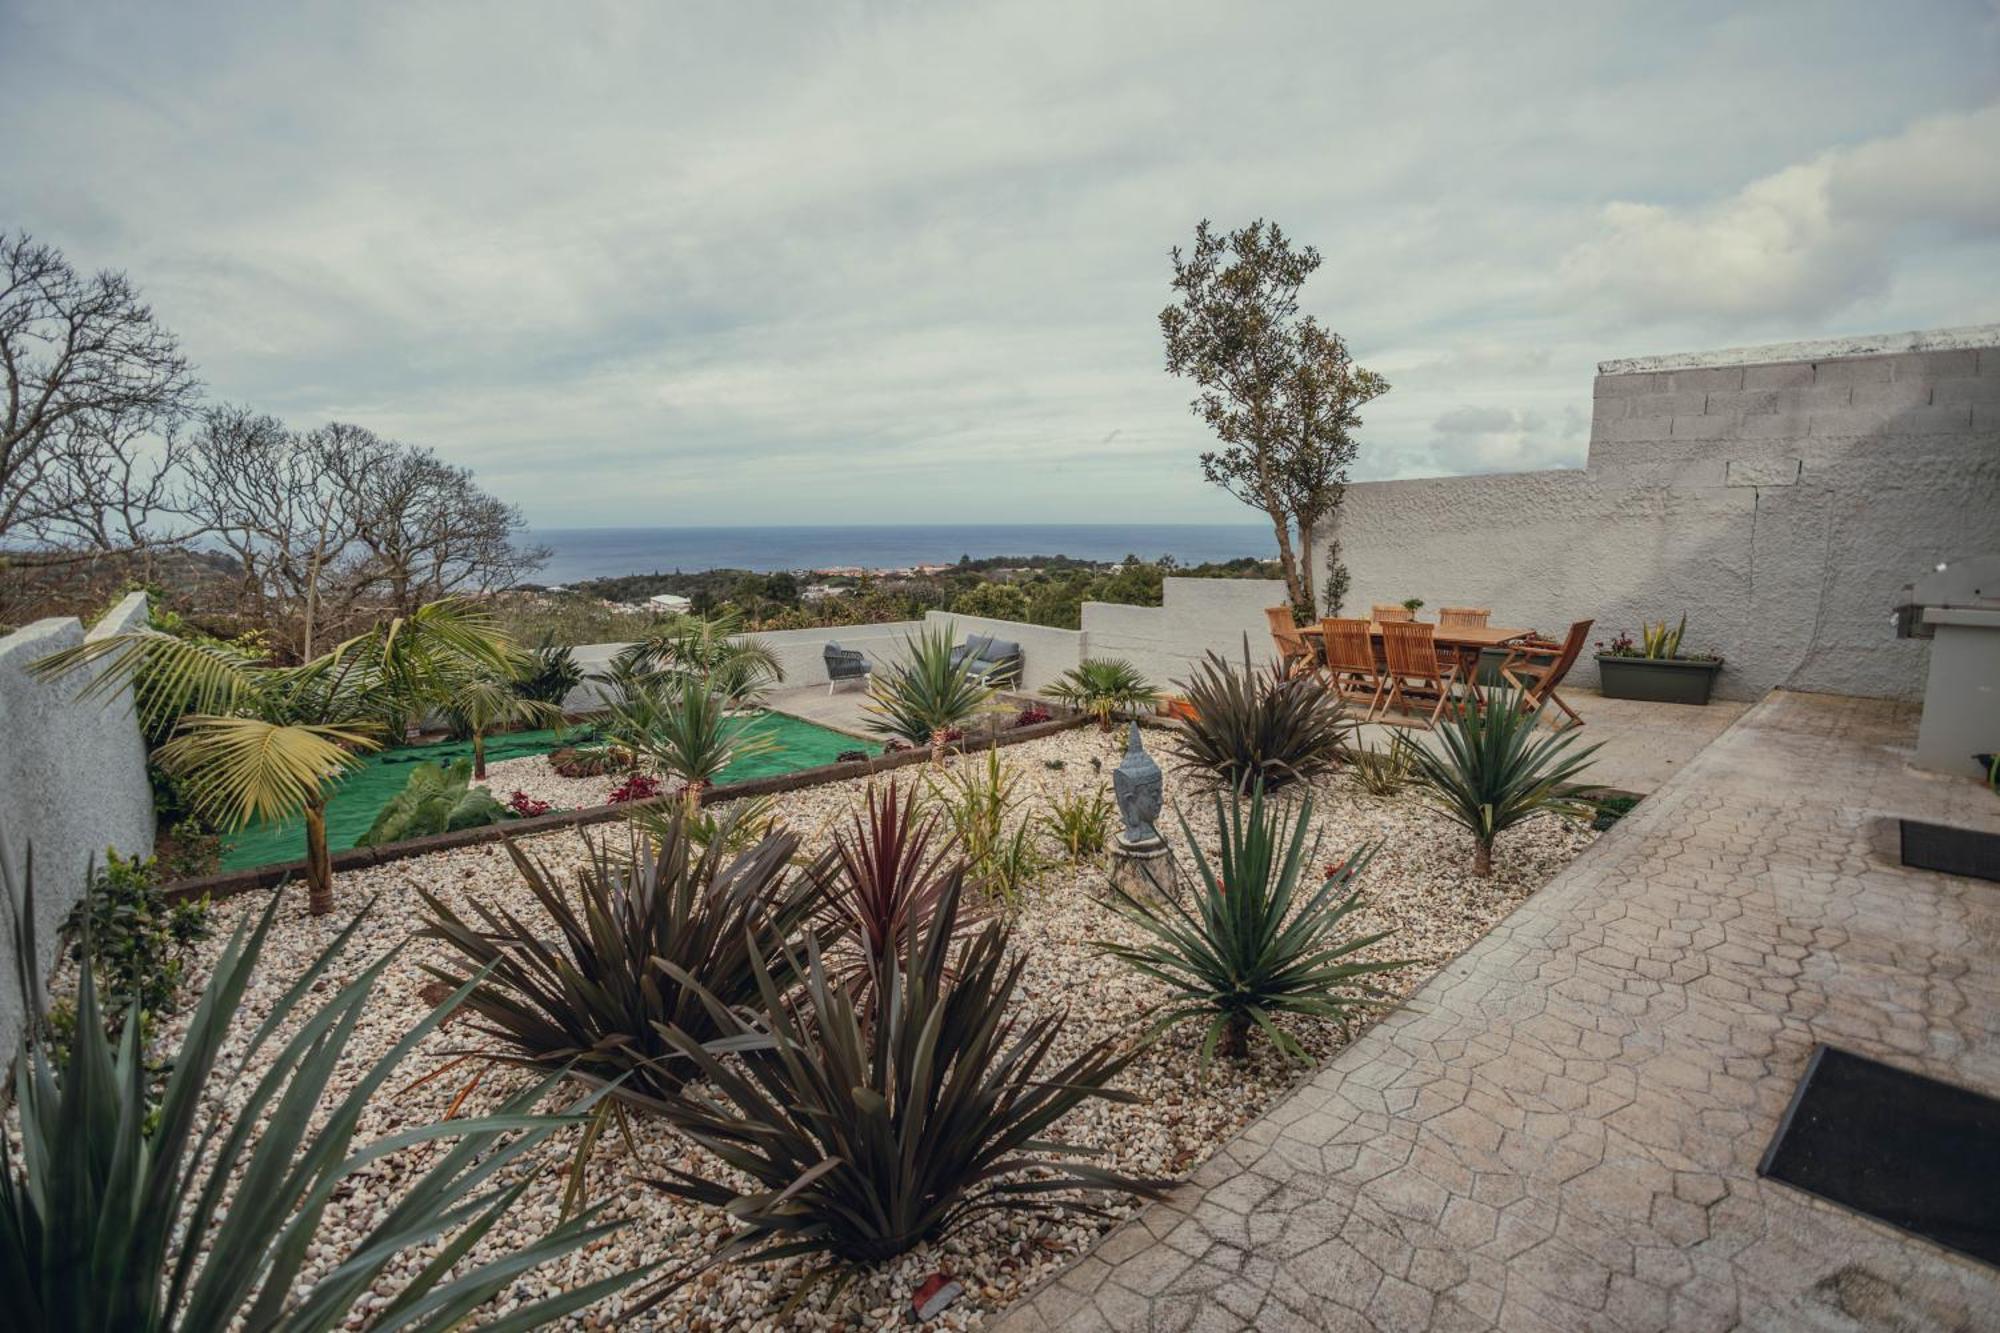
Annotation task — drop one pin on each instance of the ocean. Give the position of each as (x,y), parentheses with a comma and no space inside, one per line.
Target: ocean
(587,553)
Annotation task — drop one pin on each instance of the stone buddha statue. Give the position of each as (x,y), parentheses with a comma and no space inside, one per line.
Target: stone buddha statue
(1138,786)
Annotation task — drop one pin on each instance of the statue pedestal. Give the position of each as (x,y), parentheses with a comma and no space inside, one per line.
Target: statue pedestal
(1145,869)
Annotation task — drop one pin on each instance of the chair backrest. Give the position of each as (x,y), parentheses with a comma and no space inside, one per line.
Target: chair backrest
(1410,648)
(1463,617)
(1384,615)
(1349,646)
(1285,632)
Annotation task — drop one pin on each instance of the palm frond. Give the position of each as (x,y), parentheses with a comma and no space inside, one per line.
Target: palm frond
(239,770)
(170,676)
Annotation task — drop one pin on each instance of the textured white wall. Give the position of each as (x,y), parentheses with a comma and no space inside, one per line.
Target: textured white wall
(72,782)
(1046,652)
(1196,616)
(1782,503)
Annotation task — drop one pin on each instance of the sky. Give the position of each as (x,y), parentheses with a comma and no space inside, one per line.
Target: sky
(867,263)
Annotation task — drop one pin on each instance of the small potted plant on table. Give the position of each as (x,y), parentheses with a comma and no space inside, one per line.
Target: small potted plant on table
(1654,669)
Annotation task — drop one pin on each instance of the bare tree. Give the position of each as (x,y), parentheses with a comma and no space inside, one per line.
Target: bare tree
(1278,389)
(431,532)
(95,390)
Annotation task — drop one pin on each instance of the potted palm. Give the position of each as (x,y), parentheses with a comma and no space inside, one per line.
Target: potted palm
(1653,669)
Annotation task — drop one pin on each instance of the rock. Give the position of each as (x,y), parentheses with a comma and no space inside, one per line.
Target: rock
(933,1295)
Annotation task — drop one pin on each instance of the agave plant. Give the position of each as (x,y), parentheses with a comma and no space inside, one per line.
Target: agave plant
(888,878)
(1259,725)
(594,985)
(1103,687)
(923,698)
(435,799)
(200,1213)
(1259,939)
(1490,770)
(685,728)
(866,1136)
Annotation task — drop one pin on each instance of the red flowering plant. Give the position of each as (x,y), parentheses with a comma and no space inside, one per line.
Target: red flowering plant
(638,787)
(525,806)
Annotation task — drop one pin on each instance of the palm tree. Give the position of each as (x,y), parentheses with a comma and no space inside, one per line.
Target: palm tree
(1103,687)
(923,698)
(1491,771)
(483,700)
(254,741)
(684,727)
(713,649)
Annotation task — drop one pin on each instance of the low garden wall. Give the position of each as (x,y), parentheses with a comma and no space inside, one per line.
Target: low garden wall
(73,777)
(1197,616)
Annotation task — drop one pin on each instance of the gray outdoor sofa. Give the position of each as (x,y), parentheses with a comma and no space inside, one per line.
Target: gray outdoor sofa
(997,661)
(844,664)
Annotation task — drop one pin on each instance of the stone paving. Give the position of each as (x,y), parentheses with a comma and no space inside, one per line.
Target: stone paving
(1562,1130)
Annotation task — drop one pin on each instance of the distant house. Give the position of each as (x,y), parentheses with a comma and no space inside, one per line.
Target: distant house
(819,592)
(671,602)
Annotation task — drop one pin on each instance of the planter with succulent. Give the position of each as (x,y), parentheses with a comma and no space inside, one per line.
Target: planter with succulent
(1653,669)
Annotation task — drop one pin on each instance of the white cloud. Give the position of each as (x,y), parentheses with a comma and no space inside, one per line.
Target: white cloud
(1802,242)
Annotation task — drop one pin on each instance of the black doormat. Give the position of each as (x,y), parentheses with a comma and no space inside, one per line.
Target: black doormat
(1954,851)
(1902,1148)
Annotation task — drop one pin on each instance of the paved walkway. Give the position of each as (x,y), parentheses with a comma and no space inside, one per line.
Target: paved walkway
(1562,1130)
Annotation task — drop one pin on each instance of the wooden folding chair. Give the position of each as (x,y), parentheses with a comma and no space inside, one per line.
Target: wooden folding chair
(1414,668)
(1382,615)
(1536,669)
(1463,617)
(1295,655)
(1351,668)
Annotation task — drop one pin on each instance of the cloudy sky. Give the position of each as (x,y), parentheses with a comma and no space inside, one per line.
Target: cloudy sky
(722,263)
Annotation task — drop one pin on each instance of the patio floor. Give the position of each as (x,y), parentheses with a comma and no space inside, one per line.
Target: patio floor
(1561,1130)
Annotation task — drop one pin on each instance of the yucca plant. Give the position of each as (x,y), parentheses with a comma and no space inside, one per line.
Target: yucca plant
(684,727)
(1258,725)
(1080,822)
(867,1134)
(923,698)
(199,1213)
(980,804)
(252,741)
(888,877)
(1660,641)
(1266,933)
(592,984)
(436,798)
(1104,687)
(1493,767)
(714,650)
(1383,772)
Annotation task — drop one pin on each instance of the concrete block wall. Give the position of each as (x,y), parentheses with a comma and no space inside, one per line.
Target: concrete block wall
(1196,616)
(73,774)
(1781,496)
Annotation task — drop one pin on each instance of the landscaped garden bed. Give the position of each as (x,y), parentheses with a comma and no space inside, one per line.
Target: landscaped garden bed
(1419,887)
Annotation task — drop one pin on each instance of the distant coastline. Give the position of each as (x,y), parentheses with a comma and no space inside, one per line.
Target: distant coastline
(590,553)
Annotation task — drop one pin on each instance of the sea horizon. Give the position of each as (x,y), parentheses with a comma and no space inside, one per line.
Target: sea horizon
(578,554)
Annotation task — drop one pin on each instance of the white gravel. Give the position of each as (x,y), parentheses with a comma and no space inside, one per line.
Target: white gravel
(1419,886)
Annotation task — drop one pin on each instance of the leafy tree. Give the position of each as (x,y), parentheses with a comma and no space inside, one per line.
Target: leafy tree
(1278,389)
(995,601)
(255,741)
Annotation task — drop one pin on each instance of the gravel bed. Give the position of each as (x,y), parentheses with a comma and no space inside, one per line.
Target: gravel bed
(1419,886)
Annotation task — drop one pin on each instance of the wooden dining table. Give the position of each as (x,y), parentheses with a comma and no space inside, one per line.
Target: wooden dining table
(1462,642)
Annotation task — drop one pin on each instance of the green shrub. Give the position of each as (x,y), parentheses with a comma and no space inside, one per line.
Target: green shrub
(593,759)
(595,982)
(139,942)
(1259,939)
(200,1214)
(865,1136)
(1080,822)
(1493,768)
(550,673)
(434,799)
(1258,726)
(980,803)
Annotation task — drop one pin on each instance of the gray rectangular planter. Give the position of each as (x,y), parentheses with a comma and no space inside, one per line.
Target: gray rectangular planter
(1656,680)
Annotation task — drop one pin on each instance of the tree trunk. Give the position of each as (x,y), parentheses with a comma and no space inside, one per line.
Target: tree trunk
(319,861)
(1306,571)
(478,755)
(1482,858)
(1286,560)
(1236,1039)
(938,735)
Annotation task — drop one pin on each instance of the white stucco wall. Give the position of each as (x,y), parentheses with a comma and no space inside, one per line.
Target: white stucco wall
(1196,616)
(1780,496)
(72,782)
(1046,652)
